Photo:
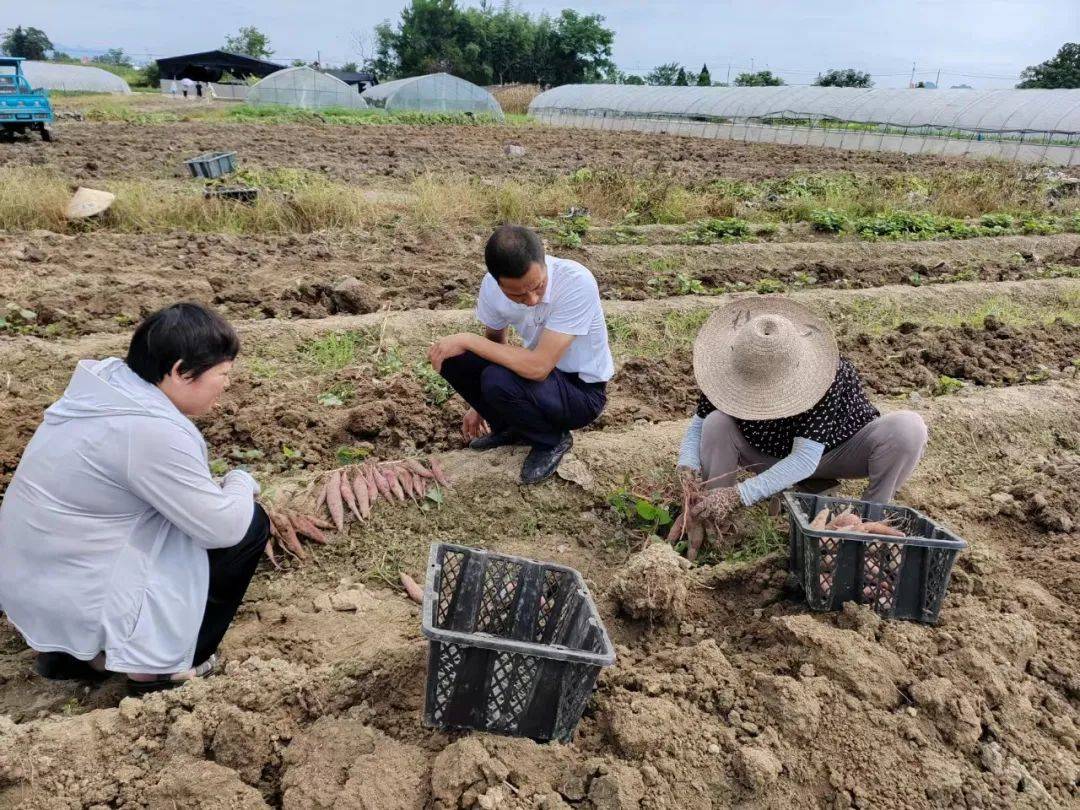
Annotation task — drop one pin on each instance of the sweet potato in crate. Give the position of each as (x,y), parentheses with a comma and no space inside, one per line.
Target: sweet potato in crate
(515,645)
(899,577)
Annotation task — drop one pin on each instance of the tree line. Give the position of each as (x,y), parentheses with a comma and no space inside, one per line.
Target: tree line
(492,44)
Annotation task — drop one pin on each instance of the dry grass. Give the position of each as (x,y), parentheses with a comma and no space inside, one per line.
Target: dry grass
(297,201)
(515,98)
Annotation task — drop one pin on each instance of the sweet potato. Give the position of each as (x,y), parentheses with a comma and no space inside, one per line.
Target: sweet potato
(369,482)
(304,526)
(320,499)
(844,521)
(334,502)
(821,520)
(395,485)
(360,491)
(320,523)
(415,592)
(381,483)
(347,494)
(406,479)
(416,468)
(878,527)
(289,541)
(439,473)
(270,554)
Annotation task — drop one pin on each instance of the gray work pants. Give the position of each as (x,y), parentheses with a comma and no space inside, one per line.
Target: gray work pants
(885,451)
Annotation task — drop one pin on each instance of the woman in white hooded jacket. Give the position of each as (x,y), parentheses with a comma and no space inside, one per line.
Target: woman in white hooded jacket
(119,552)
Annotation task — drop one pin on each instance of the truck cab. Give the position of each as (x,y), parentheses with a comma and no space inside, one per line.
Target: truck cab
(22,108)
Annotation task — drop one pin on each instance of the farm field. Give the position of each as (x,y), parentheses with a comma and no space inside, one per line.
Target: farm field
(953,287)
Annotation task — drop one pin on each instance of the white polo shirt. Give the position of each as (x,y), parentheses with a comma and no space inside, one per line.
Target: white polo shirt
(570,306)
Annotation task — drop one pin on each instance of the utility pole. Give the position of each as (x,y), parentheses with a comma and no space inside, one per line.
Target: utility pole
(937,82)
(912,82)
(728,81)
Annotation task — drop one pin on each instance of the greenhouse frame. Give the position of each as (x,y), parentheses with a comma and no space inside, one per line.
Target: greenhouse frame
(73,78)
(1036,126)
(305,88)
(435,92)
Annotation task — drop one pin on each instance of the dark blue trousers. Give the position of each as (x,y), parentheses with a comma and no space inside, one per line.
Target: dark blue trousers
(539,411)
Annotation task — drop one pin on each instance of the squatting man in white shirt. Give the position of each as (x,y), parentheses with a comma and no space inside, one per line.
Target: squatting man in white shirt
(537,393)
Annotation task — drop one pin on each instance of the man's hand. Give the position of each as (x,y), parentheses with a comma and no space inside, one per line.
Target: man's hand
(447,347)
(473,425)
(716,505)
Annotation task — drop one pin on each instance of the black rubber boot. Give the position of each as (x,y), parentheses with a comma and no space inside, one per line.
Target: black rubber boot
(504,438)
(542,462)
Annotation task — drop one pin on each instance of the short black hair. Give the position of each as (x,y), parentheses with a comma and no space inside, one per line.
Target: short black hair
(193,334)
(511,250)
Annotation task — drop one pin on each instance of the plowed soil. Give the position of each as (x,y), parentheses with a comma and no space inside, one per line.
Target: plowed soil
(737,703)
(86,151)
(102,282)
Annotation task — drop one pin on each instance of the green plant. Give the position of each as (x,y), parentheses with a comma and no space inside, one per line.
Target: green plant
(915,280)
(1040,225)
(218,467)
(351,455)
(766,538)
(290,453)
(640,511)
(803,279)
(687,285)
(767,286)
(17,319)
(947,385)
(997,223)
(827,220)
(714,230)
(337,395)
(436,389)
(333,351)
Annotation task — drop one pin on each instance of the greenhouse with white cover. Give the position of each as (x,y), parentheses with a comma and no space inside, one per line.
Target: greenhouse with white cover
(435,92)
(305,88)
(1038,126)
(73,78)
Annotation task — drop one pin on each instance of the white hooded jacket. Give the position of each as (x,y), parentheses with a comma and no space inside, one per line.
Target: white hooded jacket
(105,525)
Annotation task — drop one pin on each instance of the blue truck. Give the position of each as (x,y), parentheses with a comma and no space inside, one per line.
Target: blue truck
(22,108)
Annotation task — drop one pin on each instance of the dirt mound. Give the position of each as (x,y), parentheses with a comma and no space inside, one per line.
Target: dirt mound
(653,585)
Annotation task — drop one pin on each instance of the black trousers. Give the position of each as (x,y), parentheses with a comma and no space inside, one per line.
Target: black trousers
(231,570)
(540,411)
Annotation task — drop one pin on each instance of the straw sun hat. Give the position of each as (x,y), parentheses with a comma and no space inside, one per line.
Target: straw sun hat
(764,358)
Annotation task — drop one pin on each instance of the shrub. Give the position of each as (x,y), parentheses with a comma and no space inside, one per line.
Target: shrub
(827,220)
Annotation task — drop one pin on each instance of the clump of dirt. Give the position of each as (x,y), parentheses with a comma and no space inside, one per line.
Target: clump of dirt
(653,585)
(914,357)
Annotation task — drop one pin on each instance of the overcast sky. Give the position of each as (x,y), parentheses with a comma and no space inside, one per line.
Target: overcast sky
(983,43)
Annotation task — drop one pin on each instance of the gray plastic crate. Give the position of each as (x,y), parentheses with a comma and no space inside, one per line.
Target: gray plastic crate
(212,164)
(515,645)
(899,577)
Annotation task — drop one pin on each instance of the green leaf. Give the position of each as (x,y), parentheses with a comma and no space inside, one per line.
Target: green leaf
(435,494)
(350,455)
(331,400)
(28,314)
(288,452)
(219,466)
(646,511)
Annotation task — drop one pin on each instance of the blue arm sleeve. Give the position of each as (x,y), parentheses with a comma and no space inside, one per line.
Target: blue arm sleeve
(800,465)
(690,450)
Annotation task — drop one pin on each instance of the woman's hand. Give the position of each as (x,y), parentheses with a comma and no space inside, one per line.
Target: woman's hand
(473,425)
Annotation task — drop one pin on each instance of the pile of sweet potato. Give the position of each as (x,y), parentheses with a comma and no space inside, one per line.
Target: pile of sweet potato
(351,493)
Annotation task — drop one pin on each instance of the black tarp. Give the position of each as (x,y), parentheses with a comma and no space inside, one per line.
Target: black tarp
(210,65)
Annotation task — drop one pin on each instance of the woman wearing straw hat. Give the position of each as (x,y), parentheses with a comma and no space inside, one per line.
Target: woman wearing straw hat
(780,402)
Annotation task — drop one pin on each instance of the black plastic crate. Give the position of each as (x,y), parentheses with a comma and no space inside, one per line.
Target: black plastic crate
(244,194)
(515,645)
(899,577)
(212,164)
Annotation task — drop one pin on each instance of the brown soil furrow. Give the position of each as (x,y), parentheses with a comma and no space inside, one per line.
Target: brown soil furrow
(88,151)
(97,282)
